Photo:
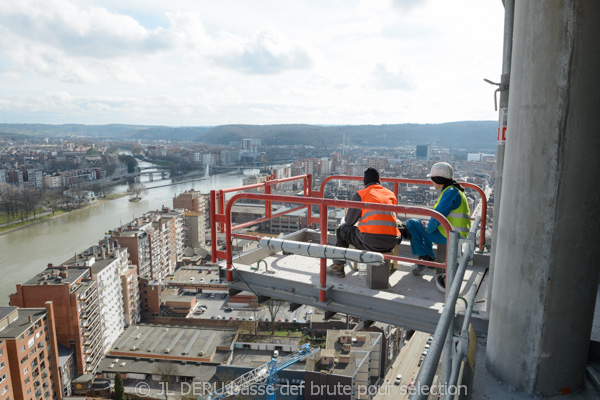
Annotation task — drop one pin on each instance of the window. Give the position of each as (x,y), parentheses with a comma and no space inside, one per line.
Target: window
(22,348)
(25,371)
(2,378)
(1,365)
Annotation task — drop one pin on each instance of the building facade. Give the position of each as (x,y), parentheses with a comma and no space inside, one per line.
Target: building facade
(30,344)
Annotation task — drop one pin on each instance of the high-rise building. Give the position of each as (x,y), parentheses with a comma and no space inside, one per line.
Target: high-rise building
(6,391)
(74,295)
(424,151)
(29,358)
(195,215)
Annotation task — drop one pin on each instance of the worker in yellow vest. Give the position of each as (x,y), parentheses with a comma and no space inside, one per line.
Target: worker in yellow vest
(365,229)
(452,204)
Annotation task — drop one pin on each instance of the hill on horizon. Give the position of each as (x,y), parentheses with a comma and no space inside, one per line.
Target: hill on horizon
(463,134)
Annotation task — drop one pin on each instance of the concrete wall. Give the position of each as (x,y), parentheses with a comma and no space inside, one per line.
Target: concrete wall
(546,268)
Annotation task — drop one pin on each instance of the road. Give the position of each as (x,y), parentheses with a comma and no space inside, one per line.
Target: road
(406,364)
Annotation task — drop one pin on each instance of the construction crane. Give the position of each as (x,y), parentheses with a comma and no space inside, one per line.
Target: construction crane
(267,372)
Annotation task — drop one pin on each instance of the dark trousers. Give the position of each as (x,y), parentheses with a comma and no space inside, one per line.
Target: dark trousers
(347,235)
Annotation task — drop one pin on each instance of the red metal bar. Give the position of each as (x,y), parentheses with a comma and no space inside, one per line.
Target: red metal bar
(249,237)
(422,182)
(221,208)
(259,220)
(213,231)
(268,203)
(263,184)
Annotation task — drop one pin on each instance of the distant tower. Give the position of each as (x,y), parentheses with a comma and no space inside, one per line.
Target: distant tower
(424,151)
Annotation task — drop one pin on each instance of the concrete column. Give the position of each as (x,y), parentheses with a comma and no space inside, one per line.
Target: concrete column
(546,267)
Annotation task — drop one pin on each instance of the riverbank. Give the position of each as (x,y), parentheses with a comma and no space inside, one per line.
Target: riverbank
(46,216)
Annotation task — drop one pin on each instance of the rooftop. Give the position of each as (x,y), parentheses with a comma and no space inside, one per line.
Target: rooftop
(111,364)
(22,323)
(153,341)
(51,276)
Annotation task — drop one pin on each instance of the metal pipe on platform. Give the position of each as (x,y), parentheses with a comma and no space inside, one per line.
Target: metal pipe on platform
(316,250)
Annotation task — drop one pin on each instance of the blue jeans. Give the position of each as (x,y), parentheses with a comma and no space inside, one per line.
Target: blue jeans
(421,242)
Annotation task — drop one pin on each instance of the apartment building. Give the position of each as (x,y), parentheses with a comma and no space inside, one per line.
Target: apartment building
(74,295)
(131,295)
(135,239)
(107,263)
(6,391)
(190,200)
(29,353)
(154,242)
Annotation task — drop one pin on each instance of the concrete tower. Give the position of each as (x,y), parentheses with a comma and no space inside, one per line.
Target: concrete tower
(546,266)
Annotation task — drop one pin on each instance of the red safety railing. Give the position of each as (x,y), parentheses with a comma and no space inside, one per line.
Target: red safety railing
(225,219)
(396,182)
(217,204)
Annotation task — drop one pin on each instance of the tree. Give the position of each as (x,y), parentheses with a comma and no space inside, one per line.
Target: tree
(54,200)
(101,189)
(167,373)
(136,190)
(30,199)
(119,387)
(10,201)
(273,307)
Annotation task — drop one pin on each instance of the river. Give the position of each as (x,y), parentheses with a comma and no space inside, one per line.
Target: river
(27,251)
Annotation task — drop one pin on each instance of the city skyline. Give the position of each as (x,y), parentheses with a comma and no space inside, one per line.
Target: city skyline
(182,64)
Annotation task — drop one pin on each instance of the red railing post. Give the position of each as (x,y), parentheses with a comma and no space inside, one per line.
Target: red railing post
(267,203)
(213,220)
(323,265)
(221,208)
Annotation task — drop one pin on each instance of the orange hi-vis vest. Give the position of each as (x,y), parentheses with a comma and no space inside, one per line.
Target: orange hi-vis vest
(377,221)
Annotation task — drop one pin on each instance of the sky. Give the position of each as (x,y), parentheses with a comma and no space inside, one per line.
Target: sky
(216,62)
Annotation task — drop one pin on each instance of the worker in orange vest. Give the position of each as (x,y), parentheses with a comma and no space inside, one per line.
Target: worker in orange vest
(365,229)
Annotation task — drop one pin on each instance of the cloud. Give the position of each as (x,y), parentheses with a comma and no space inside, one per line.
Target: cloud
(268,52)
(408,5)
(91,32)
(384,78)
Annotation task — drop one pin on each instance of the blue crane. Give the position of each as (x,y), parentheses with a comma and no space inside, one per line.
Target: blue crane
(266,372)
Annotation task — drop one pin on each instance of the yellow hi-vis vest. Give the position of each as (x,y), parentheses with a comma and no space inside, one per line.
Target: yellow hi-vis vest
(459,218)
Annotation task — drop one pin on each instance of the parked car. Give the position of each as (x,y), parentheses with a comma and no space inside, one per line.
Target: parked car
(207,295)
(201,280)
(228,309)
(192,279)
(224,295)
(213,295)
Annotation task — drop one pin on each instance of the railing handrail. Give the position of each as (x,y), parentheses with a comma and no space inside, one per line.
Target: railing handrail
(218,198)
(427,182)
(323,204)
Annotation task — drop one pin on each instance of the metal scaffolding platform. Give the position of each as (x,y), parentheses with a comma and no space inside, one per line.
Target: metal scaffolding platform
(411,301)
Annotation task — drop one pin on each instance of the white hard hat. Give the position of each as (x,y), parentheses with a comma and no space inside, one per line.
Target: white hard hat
(441,169)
